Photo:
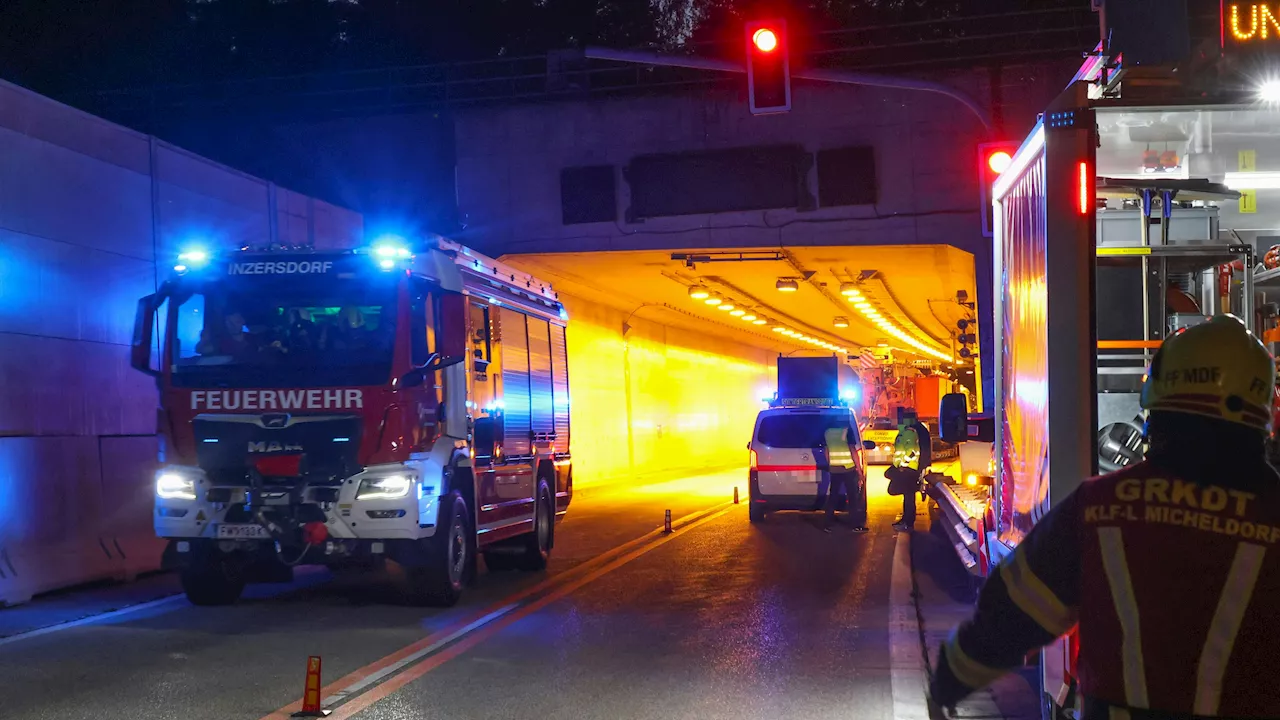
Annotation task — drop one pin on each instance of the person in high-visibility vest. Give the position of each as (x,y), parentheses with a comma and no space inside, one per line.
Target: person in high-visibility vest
(843,473)
(1168,569)
(906,446)
(911,450)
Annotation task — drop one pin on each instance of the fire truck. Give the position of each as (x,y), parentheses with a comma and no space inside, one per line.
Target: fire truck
(341,408)
(1145,199)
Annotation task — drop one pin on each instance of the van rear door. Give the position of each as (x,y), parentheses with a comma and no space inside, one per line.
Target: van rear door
(785,443)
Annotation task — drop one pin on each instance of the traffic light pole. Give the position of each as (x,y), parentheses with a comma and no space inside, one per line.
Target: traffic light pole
(842,77)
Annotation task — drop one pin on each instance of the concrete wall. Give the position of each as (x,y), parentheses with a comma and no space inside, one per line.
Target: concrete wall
(509,161)
(88,211)
(657,400)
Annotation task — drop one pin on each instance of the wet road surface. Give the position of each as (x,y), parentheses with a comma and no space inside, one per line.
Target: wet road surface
(720,619)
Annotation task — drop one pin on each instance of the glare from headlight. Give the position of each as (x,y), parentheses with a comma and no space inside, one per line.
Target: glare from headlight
(391,487)
(172,486)
(1269,91)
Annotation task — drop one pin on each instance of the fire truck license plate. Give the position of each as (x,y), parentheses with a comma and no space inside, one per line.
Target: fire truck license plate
(243,532)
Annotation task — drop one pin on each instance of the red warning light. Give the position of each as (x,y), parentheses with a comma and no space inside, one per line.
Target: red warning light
(1085,189)
(765,40)
(999,161)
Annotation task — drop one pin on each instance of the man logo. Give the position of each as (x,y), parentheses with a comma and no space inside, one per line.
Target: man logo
(275,421)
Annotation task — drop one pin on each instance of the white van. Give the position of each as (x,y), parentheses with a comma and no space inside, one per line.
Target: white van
(784,469)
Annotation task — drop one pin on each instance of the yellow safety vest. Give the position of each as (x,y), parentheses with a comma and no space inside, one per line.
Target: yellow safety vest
(906,449)
(838,452)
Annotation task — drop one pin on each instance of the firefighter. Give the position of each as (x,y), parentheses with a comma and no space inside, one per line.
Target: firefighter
(1169,569)
(347,332)
(235,340)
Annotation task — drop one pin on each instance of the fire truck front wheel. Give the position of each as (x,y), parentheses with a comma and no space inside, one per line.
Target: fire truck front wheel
(212,578)
(440,581)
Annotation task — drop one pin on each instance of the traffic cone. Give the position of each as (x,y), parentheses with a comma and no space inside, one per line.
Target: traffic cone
(311,691)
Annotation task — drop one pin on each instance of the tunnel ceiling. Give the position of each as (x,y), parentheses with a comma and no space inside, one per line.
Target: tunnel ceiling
(914,285)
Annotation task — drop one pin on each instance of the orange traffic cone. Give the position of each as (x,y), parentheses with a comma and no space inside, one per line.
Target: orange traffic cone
(311,691)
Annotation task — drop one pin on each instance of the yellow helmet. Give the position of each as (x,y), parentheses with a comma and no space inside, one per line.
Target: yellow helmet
(1216,369)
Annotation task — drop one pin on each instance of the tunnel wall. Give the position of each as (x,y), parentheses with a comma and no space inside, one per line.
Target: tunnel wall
(657,400)
(88,210)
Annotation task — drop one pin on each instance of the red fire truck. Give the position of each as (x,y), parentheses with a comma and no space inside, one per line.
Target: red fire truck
(1144,201)
(341,408)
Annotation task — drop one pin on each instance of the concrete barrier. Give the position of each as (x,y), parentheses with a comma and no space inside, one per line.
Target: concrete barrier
(91,216)
(74,510)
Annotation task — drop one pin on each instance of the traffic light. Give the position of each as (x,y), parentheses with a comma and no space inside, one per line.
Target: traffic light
(993,159)
(768,67)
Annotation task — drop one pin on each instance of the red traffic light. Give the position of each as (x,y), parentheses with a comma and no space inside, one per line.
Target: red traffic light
(765,40)
(994,159)
(999,161)
(768,67)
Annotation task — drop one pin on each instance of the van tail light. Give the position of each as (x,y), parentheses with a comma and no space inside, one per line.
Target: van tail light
(755,460)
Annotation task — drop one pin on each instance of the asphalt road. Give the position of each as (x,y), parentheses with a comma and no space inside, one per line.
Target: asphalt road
(720,619)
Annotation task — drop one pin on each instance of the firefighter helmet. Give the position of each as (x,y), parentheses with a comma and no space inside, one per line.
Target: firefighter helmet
(1216,369)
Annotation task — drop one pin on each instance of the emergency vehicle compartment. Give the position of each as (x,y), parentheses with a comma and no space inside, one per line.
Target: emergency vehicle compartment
(1146,198)
(1175,224)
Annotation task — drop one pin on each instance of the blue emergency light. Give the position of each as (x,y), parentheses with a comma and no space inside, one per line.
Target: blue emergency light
(192,258)
(389,250)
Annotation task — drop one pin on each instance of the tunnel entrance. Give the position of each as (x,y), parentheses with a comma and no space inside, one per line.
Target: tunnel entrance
(672,352)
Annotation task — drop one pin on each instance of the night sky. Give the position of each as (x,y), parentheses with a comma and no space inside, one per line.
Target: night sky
(396,161)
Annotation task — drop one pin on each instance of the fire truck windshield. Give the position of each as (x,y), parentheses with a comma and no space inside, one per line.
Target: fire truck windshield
(273,332)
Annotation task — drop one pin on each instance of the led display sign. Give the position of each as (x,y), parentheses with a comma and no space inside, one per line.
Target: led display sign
(1250,25)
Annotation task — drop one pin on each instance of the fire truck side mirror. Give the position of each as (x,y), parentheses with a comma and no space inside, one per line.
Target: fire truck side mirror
(452,331)
(953,418)
(143,334)
(418,375)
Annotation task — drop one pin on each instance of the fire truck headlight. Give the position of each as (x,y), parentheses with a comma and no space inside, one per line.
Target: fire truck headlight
(174,486)
(391,487)
(1269,91)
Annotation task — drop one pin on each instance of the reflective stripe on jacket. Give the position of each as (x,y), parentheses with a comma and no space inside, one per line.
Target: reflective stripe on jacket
(838,452)
(1174,586)
(906,449)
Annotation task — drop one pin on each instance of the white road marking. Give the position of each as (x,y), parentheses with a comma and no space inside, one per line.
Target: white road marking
(93,619)
(303,578)
(906,666)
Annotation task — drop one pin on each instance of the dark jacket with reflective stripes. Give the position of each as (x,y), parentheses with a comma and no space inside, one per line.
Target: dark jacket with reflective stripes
(1175,587)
